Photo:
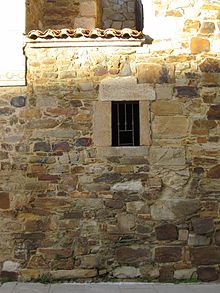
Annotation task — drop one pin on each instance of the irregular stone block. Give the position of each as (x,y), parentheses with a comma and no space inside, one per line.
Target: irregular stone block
(89,261)
(166,232)
(162,156)
(205,255)
(199,45)
(163,108)
(6,111)
(170,126)
(108,178)
(126,272)
(130,255)
(210,65)
(10,266)
(129,186)
(125,222)
(155,73)
(202,127)
(61,146)
(207,274)
(73,274)
(185,274)
(166,273)
(207,28)
(41,147)
(214,112)
(4,200)
(164,91)
(198,240)
(172,209)
(168,254)
(187,91)
(18,102)
(202,225)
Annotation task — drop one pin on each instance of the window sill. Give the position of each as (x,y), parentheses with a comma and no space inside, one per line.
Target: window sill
(136,151)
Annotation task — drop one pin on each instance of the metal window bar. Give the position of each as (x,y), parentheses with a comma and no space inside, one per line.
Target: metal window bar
(123,127)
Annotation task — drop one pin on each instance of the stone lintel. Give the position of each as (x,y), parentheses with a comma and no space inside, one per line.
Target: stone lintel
(125,89)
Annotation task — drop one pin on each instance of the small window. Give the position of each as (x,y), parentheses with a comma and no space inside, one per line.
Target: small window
(125,124)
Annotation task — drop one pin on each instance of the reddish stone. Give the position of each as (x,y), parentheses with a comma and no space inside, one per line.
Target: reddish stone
(207,274)
(166,232)
(52,253)
(214,112)
(214,172)
(217,237)
(199,45)
(48,177)
(207,28)
(4,200)
(68,112)
(128,255)
(205,255)
(168,254)
(61,146)
(202,127)
(210,65)
(202,225)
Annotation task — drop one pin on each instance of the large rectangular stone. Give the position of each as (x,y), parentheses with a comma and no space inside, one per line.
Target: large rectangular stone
(170,127)
(125,89)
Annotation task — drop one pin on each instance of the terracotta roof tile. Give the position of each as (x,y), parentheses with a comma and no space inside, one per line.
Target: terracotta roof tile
(125,33)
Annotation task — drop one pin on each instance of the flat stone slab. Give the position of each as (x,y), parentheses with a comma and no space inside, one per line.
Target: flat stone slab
(108,288)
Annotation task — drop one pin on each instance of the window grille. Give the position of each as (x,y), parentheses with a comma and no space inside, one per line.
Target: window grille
(125,124)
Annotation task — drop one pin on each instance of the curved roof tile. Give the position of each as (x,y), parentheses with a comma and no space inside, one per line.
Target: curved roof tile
(125,33)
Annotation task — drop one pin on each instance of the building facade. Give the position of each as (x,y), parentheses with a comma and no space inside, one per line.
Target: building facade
(110,159)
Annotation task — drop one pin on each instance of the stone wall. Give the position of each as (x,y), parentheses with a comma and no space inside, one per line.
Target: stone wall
(34,14)
(118,14)
(71,14)
(71,208)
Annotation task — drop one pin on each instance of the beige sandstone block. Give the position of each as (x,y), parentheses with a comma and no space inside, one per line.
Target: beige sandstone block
(88,8)
(162,108)
(102,124)
(155,73)
(169,127)
(125,89)
(164,91)
(85,22)
(164,156)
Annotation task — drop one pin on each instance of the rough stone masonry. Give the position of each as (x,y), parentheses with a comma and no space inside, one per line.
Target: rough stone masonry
(73,207)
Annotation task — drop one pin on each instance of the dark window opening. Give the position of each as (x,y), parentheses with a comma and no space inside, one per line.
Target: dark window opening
(125,124)
(139,14)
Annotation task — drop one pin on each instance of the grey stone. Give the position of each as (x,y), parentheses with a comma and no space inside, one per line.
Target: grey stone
(129,186)
(126,272)
(198,240)
(10,266)
(73,274)
(185,274)
(18,101)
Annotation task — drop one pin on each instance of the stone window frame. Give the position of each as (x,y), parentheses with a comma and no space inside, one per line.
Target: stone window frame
(121,89)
